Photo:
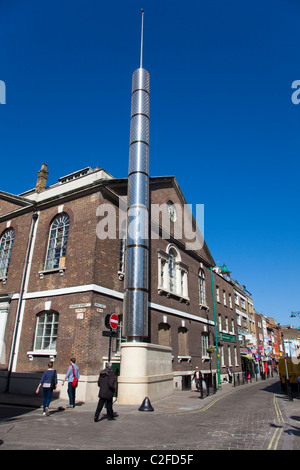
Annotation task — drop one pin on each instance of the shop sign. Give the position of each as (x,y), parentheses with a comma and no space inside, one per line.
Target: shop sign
(227,337)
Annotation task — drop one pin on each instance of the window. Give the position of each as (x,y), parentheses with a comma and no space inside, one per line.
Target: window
(236,299)
(201,280)
(226,324)
(229,356)
(120,338)
(230,301)
(183,348)
(204,344)
(224,298)
(164,336)
(218,293)
(235,356)
(243,305)
(6,244)
(121,271)
(232,326)
(57,245)
(172,273)
(222,356)
(220,322)
(172,270)
(46,331)
(122,255)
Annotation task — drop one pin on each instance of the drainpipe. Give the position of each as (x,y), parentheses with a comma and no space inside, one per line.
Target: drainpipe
(13,348)
(216,330)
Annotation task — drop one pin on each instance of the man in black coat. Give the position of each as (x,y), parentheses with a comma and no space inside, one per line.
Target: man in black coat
(106,382)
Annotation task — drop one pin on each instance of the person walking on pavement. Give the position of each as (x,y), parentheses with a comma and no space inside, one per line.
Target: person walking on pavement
(72,373)
(229,371)
(49,382)
(106,382)
(197,378)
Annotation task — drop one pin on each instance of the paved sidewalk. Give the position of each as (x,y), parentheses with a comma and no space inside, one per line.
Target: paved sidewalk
(179,401)
(181,421)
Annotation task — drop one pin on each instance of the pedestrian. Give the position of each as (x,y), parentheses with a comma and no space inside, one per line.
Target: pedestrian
(106,382)
(49,382)
(72,376)
(229,371)
(197,377)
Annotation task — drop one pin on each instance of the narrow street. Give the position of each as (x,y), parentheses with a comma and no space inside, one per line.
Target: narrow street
(255,416)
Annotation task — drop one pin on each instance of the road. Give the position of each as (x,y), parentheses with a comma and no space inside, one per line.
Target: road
(250,417)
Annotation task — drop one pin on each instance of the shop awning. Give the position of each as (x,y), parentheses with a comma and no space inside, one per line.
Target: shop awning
(248,356)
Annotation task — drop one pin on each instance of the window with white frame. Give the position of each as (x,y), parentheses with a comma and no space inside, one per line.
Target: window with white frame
(46,331)
(172,270)
(201,281)
(6,244)
(172,273)
(120,338)
(236,299)
(230,301)
(235,356)
(243,305)
(204,344)
(220,322)
(224,298)
(232,326)
(226,324)
(217,293)
(222,356)
(57,245)
(229,356)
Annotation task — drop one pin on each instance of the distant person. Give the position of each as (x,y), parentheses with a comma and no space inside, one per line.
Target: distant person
(106,382)
(72,376)
(230,374)
(49,383)
(197,377)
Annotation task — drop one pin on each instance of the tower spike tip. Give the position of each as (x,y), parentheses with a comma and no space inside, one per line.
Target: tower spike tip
(142,39)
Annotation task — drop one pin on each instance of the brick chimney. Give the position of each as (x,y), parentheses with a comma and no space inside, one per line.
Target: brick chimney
(42,179)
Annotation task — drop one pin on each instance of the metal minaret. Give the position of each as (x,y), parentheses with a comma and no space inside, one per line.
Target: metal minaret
(137,247)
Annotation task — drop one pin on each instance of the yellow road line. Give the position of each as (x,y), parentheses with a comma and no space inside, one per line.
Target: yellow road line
(278,431)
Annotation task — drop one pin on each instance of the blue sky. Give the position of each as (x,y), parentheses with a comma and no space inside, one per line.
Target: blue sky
(221,116)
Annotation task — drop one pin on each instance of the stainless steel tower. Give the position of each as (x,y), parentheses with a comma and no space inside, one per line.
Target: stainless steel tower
(137,247)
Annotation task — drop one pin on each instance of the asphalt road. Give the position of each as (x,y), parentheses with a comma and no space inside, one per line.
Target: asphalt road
(257,416)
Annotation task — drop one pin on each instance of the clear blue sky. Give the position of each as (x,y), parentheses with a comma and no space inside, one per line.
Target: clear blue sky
(222,119)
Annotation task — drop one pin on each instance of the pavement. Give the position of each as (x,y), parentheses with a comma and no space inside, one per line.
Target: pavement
(177,422)
(179,401)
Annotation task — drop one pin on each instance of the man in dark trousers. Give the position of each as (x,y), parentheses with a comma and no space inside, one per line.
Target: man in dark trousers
(106,382)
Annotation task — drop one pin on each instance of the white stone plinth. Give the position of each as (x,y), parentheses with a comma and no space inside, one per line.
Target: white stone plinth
(146,371)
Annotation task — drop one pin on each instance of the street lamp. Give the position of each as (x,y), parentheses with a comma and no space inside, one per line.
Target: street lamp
(216,330)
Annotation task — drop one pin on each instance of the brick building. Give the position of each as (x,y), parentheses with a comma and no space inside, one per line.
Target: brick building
(60,276)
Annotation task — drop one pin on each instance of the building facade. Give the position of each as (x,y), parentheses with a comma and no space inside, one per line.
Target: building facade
(62,271)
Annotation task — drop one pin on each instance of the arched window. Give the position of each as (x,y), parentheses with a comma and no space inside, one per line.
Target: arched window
(172,270)
(164,334)
(183,344)
(201,280)
(172,273)
(46,331)
(6,244)
(58,239)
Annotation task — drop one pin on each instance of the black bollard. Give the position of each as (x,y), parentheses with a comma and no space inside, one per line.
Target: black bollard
(146,405)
